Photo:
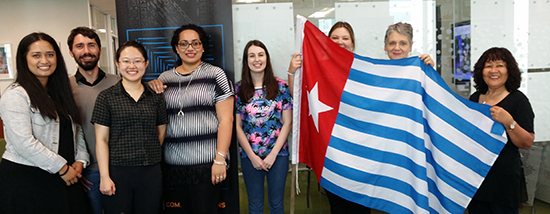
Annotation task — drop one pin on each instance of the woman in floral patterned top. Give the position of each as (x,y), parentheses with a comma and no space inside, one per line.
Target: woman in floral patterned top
(264,119)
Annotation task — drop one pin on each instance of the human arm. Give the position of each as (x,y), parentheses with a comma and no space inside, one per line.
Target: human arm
(68,174)
(281,139)
(101,118)
(157,86)
(427,59)
(162,133)
(82,156)
(162,119)
(106,185)
(27,133)
(519,136)
(78,167)
(256,161)
(224,112)
(295,63)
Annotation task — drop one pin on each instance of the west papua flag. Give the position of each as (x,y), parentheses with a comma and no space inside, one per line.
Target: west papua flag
(388,134)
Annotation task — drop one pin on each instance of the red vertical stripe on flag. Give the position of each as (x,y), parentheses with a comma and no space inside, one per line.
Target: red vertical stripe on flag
(327,65)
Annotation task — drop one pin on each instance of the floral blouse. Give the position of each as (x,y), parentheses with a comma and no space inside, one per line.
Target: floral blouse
(261,119)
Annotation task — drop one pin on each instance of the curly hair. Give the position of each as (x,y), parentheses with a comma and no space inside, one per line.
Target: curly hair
(492,54)
(176,38)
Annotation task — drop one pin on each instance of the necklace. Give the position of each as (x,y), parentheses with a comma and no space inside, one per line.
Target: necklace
(180,113)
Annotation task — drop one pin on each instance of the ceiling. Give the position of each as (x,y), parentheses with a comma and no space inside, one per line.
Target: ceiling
(304,7)
(108,6)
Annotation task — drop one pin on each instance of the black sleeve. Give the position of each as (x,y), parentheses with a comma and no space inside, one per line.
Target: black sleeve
(475,97)
(101,113)
(162,115)
(524,115)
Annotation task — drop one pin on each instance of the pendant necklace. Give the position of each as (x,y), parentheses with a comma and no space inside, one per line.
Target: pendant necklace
(180,113)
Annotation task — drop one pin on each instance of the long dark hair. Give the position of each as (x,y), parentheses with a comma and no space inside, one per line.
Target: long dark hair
(514,75)
(176,38)
(57,97)
(270,82)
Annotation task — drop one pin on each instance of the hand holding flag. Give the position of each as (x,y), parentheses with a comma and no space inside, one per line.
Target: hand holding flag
(388,134)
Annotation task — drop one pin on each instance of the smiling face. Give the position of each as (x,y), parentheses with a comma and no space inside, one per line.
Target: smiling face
(85,52)
(342,37)
(131,64)
(192,53)
(397,46)
(256,59)
(495,74)
(41,60)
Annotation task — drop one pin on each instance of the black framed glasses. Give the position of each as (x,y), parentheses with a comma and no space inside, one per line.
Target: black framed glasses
(137,62)
(185,44)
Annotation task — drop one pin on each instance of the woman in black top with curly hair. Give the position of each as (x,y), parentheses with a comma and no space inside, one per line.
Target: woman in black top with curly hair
(497,78)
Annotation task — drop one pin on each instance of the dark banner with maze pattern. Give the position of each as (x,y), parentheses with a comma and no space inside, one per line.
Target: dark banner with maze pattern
(152,23)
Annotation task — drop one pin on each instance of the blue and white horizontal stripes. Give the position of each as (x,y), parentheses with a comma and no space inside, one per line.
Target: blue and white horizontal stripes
(403,142)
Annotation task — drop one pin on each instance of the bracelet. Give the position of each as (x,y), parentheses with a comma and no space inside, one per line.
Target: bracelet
(223,156)
(67,170)
(220,162)
(291,74)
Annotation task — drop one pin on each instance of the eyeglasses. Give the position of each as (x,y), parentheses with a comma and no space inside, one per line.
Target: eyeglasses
(185,45)
(135,62)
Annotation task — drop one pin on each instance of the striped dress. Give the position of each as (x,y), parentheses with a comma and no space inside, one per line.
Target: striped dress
(191,136)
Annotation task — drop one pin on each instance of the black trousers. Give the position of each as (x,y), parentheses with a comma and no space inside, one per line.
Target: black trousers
(481,207)
(28,189)
(200,198)
(339,205)
(138,190)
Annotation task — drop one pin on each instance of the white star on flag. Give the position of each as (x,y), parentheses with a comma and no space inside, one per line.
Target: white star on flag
(315,105)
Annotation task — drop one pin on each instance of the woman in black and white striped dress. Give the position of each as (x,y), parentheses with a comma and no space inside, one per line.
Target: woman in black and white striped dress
(199,101)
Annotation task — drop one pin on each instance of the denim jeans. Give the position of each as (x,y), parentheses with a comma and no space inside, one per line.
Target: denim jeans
(94,195)
(254,182)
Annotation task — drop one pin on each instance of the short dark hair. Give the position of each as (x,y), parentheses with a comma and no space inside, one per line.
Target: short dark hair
(176,38)
(85,31)
(57,97)
(134,44)
(514,75)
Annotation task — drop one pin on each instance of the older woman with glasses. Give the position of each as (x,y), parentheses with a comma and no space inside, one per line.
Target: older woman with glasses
(199,99)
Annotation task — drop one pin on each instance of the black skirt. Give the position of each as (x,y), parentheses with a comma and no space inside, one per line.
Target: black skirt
(27,189)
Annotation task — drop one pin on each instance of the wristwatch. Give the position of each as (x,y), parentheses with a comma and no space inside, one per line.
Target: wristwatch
(512,126)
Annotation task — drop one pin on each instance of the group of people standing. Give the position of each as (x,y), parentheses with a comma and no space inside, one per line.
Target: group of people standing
(132,145)
(107,135)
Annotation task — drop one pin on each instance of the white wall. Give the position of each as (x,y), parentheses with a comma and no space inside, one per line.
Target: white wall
(506,25)
(273,25)
(371,19)
(54,17)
